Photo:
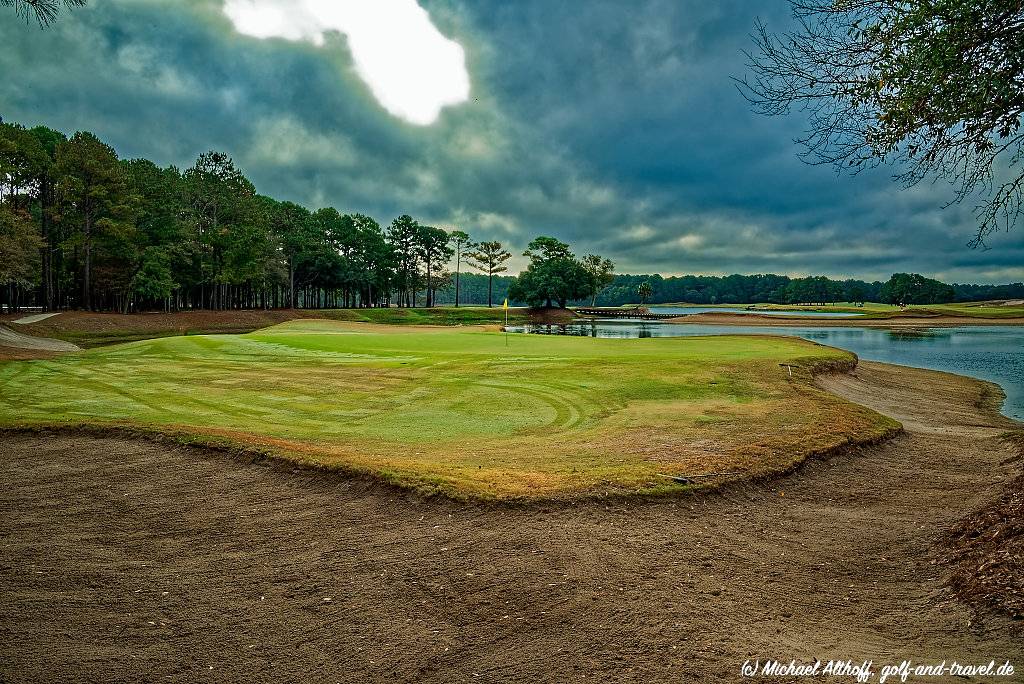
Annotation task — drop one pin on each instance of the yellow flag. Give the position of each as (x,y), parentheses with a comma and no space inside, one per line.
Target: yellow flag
(506,303)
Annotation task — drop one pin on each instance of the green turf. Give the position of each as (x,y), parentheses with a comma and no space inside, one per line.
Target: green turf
(462,410)
(974,310)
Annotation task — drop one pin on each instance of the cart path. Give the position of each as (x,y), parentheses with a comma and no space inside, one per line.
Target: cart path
(17,340)
(132,561)
(35,318)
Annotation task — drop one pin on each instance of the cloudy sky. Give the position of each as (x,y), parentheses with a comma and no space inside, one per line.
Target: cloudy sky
(610,124)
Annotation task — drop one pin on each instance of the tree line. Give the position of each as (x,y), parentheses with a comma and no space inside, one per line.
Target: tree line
(901,288)
(82,228)
(736,289)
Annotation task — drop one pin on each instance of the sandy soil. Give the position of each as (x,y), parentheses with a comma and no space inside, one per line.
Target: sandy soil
(131,561)
(854,321)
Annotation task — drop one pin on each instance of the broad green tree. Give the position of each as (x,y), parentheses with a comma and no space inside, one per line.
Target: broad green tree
(546,248)
(490,258)
(903,289)
(443,279)
(554,275)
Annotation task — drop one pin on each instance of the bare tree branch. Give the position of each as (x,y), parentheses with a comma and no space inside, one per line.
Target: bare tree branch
(935,87)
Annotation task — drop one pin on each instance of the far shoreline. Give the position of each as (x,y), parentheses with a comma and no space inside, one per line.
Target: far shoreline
(778,320)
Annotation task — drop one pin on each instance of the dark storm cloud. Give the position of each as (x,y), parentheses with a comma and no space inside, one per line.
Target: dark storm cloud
(612,125)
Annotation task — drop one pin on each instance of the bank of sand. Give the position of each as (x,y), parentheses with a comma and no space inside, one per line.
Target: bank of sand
(829,322)
(132,561)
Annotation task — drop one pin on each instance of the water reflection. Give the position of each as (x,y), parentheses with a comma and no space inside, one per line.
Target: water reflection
(914,334)
(994,353)
(692,310)
(614,329)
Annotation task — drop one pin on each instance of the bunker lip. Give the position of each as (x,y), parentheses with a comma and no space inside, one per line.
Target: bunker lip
(206,445)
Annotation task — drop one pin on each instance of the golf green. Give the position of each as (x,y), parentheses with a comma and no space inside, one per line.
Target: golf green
(466,411)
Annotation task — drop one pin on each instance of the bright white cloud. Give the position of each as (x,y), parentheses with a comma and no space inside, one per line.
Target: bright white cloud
(411,68)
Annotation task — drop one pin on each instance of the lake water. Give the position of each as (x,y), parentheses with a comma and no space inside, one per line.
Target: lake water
(690,310)
(994,353)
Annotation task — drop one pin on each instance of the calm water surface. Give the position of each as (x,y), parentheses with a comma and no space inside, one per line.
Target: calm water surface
(994,353)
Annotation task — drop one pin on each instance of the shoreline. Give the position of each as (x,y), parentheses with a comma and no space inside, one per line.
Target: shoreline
(753,319)
(897,326)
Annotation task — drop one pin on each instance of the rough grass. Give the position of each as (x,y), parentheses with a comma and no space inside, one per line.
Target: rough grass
(462,411)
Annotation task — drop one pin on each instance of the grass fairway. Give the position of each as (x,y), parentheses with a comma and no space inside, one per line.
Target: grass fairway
(974,310)
(458,411)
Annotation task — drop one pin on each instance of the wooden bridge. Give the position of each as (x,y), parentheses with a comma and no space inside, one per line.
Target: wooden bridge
(638,314)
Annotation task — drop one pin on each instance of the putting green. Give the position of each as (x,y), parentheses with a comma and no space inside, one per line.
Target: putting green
(466,411)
